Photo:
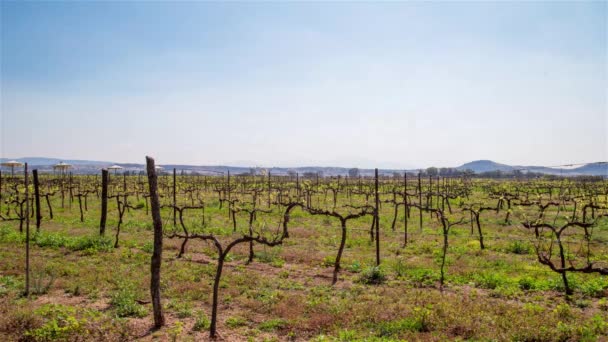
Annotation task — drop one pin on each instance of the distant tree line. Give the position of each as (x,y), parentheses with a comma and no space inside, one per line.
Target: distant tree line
(495,174)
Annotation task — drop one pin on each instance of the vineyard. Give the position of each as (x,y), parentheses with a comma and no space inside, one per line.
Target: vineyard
(172,256)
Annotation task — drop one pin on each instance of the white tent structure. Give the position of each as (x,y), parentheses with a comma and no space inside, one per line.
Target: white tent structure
(62,167)
(12,165)
(115,168)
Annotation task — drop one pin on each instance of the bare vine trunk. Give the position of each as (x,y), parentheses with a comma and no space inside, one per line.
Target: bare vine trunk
(340,250)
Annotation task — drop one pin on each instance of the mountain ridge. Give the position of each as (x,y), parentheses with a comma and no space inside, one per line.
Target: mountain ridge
(588,169)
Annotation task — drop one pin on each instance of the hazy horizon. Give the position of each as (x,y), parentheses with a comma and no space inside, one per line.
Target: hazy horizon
(246,164)
(388,85)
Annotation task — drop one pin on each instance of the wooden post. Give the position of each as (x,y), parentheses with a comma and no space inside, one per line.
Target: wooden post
(430,196)
(438,197)
(27,233)
(404,208)
(269,189)
(37,197)
(317,188)
(70,188)
(124,184)
(377,215)
(62,189)
(104,201)
(174,197)
(420,199)
(229,195)
(159,319)
(230,213)
(0,190)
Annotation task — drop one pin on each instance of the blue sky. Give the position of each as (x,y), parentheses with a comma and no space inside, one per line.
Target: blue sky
(291,84)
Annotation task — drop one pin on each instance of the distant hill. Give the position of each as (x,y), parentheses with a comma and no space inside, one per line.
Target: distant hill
(594,169)
(591,169)
(479,166)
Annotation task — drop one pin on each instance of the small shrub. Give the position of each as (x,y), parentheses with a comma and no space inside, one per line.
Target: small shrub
(9,235)
(176,330)
(556,283)
(270,256)
(373,275)
(424,276)
(319,295)
(202,322)
(563,311)
(399,268)
(518,247)
(355,267)
(21,319)
(140,205)
(526,283)
(272,325)
(603,304)
(582,303)
(74,290)
(489,280)
(328,261)
(266,295)
(564,331)
(91,244)
(347,335)
(533,308)
(41,281)
(598,325)
(124,302)
(50,240)
(426,248)
(9,283)
(596,287)
(235,322)
(148,247)
(505,291)
(61,323)
(182,309)
(418,322)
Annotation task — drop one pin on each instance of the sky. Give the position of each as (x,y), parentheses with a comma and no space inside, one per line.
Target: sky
(354,84)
